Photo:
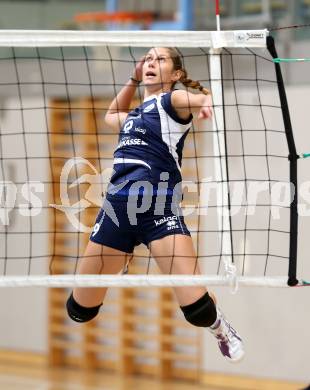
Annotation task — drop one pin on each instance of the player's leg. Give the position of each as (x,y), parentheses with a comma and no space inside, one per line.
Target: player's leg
(84,302)
(106,253)
(175,254)
(98,259)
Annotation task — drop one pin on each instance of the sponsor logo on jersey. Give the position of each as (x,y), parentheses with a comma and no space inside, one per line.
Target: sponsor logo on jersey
(172,225)
(171,220)
(128,127)
(140,130)
(149,107)
(133,117)
(131,142)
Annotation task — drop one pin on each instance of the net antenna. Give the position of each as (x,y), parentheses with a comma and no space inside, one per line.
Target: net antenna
(220,153)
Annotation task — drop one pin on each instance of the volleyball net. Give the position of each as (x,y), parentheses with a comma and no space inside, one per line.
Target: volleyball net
(239,170)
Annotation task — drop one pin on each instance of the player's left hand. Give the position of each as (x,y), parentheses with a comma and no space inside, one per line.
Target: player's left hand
(138,71)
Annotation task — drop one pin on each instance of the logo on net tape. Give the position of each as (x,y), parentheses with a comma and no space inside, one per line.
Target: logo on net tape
(249,36)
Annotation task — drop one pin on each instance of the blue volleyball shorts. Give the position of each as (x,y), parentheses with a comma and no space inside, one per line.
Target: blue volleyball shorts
(123,224)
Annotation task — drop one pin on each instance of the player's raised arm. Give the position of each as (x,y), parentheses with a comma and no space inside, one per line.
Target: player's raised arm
(119,108)
(185,103)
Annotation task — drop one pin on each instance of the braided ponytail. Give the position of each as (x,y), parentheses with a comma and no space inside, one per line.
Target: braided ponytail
(188,83)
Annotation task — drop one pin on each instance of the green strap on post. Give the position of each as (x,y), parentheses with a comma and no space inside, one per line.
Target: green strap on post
(305,155)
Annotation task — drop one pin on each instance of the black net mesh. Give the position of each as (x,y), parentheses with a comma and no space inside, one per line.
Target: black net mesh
(52,107)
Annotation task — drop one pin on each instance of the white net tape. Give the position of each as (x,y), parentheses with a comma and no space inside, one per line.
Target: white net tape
(46,38)
(137,281)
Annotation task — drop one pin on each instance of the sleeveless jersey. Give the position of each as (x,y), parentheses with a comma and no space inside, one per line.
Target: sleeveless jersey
(150,143)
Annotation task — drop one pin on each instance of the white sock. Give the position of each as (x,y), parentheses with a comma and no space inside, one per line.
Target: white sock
(216,323)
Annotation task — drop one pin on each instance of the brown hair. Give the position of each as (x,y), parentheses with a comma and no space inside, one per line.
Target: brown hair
(177,65)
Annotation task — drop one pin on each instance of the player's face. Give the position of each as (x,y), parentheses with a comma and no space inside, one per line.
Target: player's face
(158,69)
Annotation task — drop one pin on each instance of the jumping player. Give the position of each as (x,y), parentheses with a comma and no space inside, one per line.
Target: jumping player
(143,197)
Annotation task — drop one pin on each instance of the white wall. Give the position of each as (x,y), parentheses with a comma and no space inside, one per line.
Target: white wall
(24,311)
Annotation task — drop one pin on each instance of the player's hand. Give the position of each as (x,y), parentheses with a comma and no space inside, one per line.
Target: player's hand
(138,72)
(206,108)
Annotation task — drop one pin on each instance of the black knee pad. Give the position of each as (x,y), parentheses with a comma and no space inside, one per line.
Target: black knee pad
(80,313)
(202,312)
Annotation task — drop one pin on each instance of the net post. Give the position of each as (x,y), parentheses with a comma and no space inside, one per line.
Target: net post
(293,157)
(220,164)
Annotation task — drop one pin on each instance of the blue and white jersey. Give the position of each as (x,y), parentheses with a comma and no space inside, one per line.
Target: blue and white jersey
(151,142)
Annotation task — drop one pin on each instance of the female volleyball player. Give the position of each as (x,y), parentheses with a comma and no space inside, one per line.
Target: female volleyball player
(142,203)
